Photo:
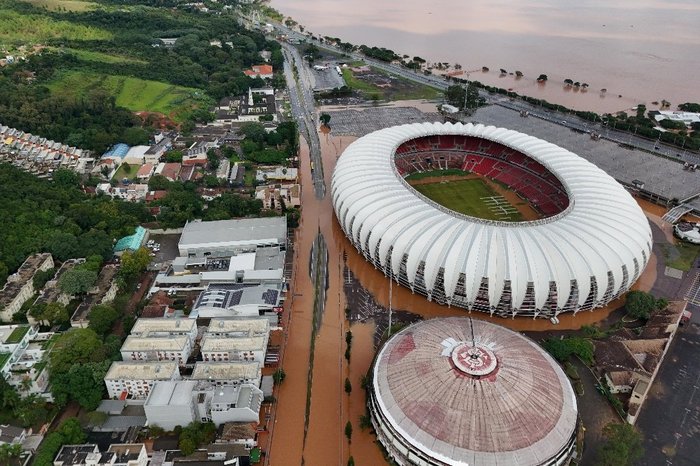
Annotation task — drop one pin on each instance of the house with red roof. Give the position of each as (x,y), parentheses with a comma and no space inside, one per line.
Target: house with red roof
(259,71)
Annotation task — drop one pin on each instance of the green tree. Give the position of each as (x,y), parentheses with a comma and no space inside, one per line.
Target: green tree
(187,446)
(456,95)
(325,118)
(76,346)
(77,281)
(622,446)
(348,386)
(133,263)
(640,304)
(212,159)
(542,78)
(351,461)
(348,431)
(50,314)
(10,452)
(101,319)
(563,348)
(278,376)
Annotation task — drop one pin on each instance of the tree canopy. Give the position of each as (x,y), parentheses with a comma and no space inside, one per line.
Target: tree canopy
(77,281)
(101,319)
(640,304)
(622,446)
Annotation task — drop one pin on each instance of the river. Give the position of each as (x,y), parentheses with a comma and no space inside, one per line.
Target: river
(641,51)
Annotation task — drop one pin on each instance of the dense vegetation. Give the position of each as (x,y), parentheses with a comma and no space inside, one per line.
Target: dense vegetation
(57,217)
(81,88)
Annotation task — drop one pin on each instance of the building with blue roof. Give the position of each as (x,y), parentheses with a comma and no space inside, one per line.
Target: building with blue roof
(131,242)
(117,151)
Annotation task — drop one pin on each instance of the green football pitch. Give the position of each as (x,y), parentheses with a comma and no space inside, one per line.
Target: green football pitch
(466,197)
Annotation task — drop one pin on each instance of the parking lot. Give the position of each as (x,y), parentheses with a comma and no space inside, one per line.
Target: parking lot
(366,120)
(168,248)
(670,418)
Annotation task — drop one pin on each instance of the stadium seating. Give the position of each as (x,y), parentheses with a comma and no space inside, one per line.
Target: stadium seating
(530,179)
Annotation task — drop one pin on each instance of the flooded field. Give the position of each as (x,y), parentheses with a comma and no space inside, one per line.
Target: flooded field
(329,406)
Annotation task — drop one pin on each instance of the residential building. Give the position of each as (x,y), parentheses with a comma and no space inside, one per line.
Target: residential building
(176,403)
(237,328)
(104,291)
(276,174)
(134,379)
(628,362)
(257,105)
(233,349)
(168,170)
(259,71)
(20,285)
(165,328)
(22,364)
(145,171)
(157,349)
(12,435)
(125,454)
(136,155)
(227,373)
(274,197)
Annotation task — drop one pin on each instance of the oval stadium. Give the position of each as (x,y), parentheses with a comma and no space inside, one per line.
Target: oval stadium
(490,219)
(461,391)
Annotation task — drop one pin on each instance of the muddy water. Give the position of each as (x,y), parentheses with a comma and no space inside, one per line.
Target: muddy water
(330,406)
(644,50)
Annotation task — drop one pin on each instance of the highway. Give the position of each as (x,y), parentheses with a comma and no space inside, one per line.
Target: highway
(564,119)
(301,98)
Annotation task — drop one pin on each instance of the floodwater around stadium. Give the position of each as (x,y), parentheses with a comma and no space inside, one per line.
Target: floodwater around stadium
(329,406)
(643,50)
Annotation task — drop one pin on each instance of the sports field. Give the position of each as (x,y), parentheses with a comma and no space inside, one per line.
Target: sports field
(471,197)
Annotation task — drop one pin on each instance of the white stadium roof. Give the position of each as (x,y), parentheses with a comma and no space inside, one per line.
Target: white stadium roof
(602,239)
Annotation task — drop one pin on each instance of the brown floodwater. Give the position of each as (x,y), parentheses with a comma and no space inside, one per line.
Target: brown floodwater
(330,406)
(643,50)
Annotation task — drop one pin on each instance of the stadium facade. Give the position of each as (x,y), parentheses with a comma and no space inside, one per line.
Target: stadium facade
(590,246)
(461,391)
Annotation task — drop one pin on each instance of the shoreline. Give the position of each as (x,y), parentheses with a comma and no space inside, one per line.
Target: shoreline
(555,90)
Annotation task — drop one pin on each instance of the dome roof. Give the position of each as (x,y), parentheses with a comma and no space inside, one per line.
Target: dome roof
(600,242)
(465,391)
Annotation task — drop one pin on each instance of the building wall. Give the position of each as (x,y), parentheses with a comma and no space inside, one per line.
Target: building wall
(244,356)
(157,355)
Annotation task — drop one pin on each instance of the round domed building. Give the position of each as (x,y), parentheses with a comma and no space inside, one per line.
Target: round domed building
(461,391)
(584,243)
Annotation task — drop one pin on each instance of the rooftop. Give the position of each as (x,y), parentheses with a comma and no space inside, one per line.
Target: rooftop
(178,393)
(137,370)
(231,231)
(464,389)
(144,326)
(134,343)
(131,242)
(213,344)
(218,371)
(251,326)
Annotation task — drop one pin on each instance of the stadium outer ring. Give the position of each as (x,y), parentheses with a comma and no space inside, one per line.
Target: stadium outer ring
(578,259)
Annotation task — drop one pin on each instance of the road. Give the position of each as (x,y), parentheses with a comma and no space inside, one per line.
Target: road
(301,97)
(564,119)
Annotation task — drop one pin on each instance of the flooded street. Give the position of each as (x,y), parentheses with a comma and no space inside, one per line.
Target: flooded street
(330,407)
(644,51)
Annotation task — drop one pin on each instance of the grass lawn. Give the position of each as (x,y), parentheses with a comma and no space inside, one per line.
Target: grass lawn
(682,255)
(133,93)
(400,89)
(249,176)
(21,29)
(464,196)
(17,334)
(122,173)
(68,5)
(89,55)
